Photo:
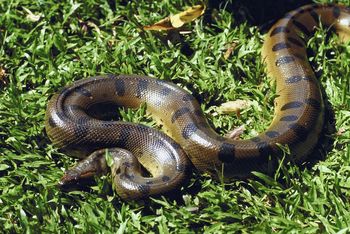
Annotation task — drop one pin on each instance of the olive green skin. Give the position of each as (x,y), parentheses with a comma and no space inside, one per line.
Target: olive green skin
(297,123)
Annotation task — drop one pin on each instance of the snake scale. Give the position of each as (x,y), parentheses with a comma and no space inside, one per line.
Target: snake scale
(73,125)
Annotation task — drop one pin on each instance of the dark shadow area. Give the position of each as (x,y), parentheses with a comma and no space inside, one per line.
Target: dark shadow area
(257,13)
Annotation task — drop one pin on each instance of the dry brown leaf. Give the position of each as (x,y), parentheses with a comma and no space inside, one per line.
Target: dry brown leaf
(3,77)
(233,106)
(236,132)
(31,16)
(229,50)
(178,20)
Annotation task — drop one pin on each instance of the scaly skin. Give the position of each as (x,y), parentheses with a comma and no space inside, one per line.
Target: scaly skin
(297,123)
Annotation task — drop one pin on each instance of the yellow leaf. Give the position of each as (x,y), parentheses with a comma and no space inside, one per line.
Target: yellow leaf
(233,106)
(187,16)
(163,24)
(178,20)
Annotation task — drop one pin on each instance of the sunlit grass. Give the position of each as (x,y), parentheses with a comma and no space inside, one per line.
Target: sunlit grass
(71,41)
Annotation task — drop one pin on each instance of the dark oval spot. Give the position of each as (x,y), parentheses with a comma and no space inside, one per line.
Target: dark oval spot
(291,105)
(280,29)
(178,113)
(295,42)
(165,91)
(284,60)
(141,88)
(301,27)
(265,150)
(289,118)
(165,178)
(189,130)
(280,46)
(119,87)
(187,97)
(227,153)
(255,139)
(272,134)
(293,79)
(315,16)
(314,103)
(144,189)
(299,130)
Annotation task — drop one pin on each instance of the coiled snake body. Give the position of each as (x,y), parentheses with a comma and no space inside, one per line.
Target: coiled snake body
(297,122)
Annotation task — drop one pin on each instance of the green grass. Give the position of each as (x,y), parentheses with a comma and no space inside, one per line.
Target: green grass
(72,41)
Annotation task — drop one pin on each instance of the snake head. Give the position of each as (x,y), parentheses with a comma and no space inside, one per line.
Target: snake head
(93,165)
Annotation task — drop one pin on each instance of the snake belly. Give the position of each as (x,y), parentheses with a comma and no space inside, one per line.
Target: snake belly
(297,123)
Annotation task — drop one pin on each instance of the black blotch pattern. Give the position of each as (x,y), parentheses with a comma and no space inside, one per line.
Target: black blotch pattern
(302,27)
(280,29)
(187,97)
(119,87)
(291,105)
(189,130)
(336,12)
(83,92)
(289,118)
(280,46)
(264,150)
(165,91)
(299,130)
(256,139)
(178,113)
(315,16)
(272,134)
(293,79)
(295,41)
(165,178)
(141,88)
(227,153)
(284,60)
(314,103)
(144,189)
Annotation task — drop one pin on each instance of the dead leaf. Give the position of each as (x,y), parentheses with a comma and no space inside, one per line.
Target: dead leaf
(340,132)
(235,133)
(178,20)
(229,50)
(233,106)
(31,16)
(3,77)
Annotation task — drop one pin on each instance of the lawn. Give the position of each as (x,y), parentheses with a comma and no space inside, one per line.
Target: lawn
(48,44)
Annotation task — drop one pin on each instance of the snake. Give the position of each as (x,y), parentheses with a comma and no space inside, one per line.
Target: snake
(145,161)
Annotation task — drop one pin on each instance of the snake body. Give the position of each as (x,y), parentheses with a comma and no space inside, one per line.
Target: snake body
(297,123)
